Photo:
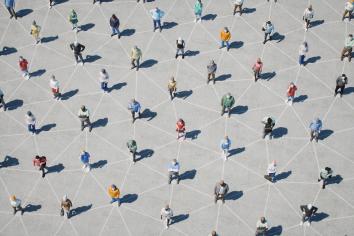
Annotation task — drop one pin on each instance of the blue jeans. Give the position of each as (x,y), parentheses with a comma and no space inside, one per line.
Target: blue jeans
(302,59)
(115,200)
(115,31)
(32,129)
(157,24)
(104,86)
(225,42)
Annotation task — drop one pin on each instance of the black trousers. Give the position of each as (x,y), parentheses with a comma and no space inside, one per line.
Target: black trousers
(12,12)
(3,102)
(266,37)
(341,90)
(134,155)
(41,168)
(86,121)
(77,56)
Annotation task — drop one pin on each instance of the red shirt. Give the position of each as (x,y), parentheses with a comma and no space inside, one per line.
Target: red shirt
(291,91)
(257,66)
(180,126)
(23,64)
(40,161)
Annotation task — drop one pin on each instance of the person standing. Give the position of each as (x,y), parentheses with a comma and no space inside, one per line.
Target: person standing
(348,9)
(132,146)
(135,56)
(225,145)
(78,48)
(41,162)
(114,193)
(181,129)
(85,159)
(114,23)
(198,8)
(261,227)
(134,107)
(325,174)
(307,212)
(227,102)
(225,37)
(35,30)
(172,87)
(307,17)
(173,171)
(211,67)
(220,191)
(84,116)
(238,5)
(23,63)
(348,48)
(166,215)
(73,20)
(271,171)
(10,5)
(157,15)
(290,93)
(340,84)
(269,123)
(31,122)
(65,206)
(180,47)
(257,69)
(268,29)
(2,101)
(54,85)
(104,77)
(315,129)
(303,49)
(16,204)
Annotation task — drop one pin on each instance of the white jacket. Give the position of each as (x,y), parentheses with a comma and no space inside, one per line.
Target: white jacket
(303,50)
(308,15)
(30,120)
(271,169)
(349,6)
(54,84)
(15,203)
(104,77)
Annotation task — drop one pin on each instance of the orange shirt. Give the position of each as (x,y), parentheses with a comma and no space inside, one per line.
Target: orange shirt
(225,36)
(113,193)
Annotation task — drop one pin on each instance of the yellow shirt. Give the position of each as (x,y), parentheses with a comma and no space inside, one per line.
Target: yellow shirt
(225,36)
(113,193)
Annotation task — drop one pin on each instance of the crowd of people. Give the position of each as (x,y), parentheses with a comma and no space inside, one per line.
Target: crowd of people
(227,102)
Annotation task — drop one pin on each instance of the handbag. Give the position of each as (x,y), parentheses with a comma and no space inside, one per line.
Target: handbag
(61,212)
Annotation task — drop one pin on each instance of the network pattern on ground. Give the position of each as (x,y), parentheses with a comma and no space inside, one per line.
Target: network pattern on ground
(144,185)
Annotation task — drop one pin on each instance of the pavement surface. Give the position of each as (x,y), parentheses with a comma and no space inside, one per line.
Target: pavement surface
(144,186)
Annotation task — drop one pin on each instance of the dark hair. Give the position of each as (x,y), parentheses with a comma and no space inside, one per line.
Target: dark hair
(114,16)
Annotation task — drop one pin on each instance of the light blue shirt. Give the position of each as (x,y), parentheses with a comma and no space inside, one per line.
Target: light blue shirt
(157,14)
(316,125)
(10,3)
(225,144)
(135,106)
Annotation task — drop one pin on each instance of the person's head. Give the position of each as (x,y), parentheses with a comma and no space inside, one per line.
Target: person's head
(21,58)
(259,60)
(113,187)
(310,7)
(167,206)
(29,113)
(83,108)
(317,120)
(65,197)
(52,77)
(228,95)
(211,62)
(305,44)
(292,84)
(222,183)
(328,169)
(309,206)
(350,36)
(157,9)
(226,29)
(269,120)
(76,43)
(213,233)
(34,23)
(37,157)
(103,71)
(269,23)
(174,161)
(133,100)
(263,220)
(13,198)
(83,151)
(114,16)
(172,79)
(344,76)
(179,39)
(135,47)
(226,137)
(274,163)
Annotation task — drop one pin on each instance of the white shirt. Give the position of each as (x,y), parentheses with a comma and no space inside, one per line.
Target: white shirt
(30,120)
(54,84)
(104,77)
(308,14)
(239,2)
(166,213)
(349,6)
(303,50)
(271,168)
(15,203)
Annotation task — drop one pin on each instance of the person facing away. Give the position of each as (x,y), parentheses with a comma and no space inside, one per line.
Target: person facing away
(54,85)
(16,204)
(269,123)
(23,63)
(166,215)
(220,191)
(340,85)
(325,174)
(173,171)
(133,147)
(172,87)
(268,29)
(114,193)
(180,47)
(211,68)
(257,69)
(261,227)
(65,206)
(307,212)
(271,171)
(84,116)
(31,122)
(315,129)
(227,102)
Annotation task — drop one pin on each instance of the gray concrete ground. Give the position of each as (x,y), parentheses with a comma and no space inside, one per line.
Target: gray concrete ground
(144,185)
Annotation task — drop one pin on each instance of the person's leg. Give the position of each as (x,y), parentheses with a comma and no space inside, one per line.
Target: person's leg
(102,86)
(170,177)
(222,44)
(341,91)
(155,24)
(229,111)
(350,54)
(13,13)
(222,196)
(89,123)
(114,31)
(227,45)
(134,156)
(350,15)
(105,86)
(343,54)
(133,116)
(137,64)
(10,11)
(15,210)
(208,79)
(222,110)
(76,58)
(182,50)
(216,198)
(344,14)
(177,177)
(301,59)
(81,58)
(177,53)
(42,169)
(235,9)
(213,77)
(240,9)
(159,25)
(336,90)
(82,124)
(171,93)
(265,38)
(316,136)
(133,63)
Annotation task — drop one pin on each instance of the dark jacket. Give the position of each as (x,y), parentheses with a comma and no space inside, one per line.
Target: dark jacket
(218,187)
(308,212)
(114,22)
(77,49)
(180,46)
(341,81)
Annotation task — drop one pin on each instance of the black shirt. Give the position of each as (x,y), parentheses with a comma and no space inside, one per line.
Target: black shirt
(78,48)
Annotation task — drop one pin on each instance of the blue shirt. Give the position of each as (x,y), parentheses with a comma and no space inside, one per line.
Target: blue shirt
(10,3)
(225,143)
(157,14)
(85,157)
(316,125)
(135,106)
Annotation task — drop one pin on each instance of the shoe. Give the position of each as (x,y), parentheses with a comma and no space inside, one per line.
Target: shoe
(112,35)
(22,211)
(118,36)
(176,56)
(11,16)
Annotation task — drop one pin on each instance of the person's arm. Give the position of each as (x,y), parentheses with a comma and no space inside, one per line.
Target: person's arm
(314,210)
(82,48)
(226,189)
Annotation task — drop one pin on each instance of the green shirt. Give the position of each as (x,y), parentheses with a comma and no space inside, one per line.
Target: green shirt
(349,42)
(131,144)
(227,101)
